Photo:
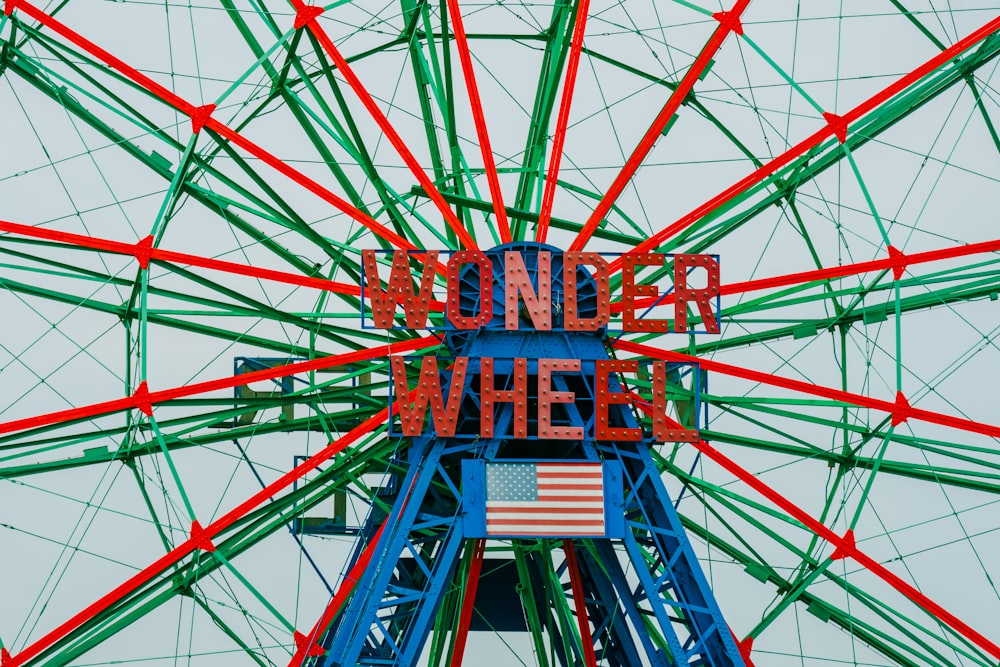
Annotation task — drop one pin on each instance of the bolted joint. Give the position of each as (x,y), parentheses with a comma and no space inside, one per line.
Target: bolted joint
(837,125)
(730,21)
(143,252)
(306,15)
(142,400)
(200,116)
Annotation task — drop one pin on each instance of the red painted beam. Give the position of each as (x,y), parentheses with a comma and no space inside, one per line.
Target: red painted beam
(562,121)
(468,604)
(305,648)
(465,56)
(897,262)
(900,409)
(175,555)
(309,184)
(144,252)
(728,22)
(590,658)
(143,399)
(844,547)
(836,126)
(309,14)
(201,117)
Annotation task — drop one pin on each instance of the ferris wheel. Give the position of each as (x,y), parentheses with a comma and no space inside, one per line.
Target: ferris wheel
(295,296)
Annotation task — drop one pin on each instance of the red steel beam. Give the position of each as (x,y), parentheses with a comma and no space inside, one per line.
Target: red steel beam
(897,262)
(836,126)
(900,410)
(306,645)
(201,117)
(590,658)
(468,604)
(199,540)
(144,400)
(728,22)
(306,17)
(562,121)
(144,252)
(844,547)
(465,56)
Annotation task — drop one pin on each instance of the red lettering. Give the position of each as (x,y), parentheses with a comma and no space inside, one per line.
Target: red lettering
(546,397)
(606,397)
(518,281)
(702,297)
(664,428)
(485,295)
(399,287)
(573,322)
(428,390)
(630,291)
(490,396)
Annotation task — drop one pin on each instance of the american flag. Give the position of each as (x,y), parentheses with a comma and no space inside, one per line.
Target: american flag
(552,499)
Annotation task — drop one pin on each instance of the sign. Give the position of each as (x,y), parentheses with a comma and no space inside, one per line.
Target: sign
(543,498)
(560,291)
(543,407)
(546,306)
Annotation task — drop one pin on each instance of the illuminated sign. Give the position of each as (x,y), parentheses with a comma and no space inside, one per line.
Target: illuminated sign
(515,306)
(553,399)
(548,284)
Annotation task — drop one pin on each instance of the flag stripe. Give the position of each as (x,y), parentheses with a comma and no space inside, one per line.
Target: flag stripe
(587,488)
(542,474)
(527,521)
(519,504)
(557,499)
(568,497)
(545,531)
(518,511)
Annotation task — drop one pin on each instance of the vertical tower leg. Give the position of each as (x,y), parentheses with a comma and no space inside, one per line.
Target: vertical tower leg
(672,586)
(390,614)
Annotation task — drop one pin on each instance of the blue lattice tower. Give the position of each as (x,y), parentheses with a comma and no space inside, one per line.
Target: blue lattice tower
(662,613)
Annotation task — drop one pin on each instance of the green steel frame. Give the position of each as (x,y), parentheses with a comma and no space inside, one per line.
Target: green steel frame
(256,212)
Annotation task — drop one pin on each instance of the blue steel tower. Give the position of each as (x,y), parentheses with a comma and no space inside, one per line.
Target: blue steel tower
(628,592)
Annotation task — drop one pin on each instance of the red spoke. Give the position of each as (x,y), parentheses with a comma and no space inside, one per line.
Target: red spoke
(135,75)
(900,409)
(201,116)
(562,121)
(590,659)
(836,126)
(175,555)
(465,56)
(352,578)
(896,261)
(309,184)
(144,400)
(144,253)
(728,22)
(310,13)
(468,603)
(844,546)
(338,600)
